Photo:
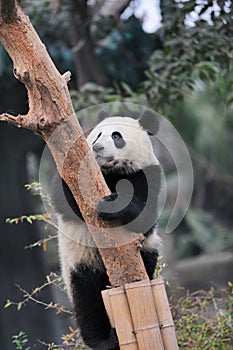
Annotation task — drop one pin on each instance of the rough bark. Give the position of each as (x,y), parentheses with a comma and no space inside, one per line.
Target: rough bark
(51,115)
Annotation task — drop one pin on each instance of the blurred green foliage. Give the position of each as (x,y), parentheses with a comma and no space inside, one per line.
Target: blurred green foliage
(189,54)
(204,319)
(202,234)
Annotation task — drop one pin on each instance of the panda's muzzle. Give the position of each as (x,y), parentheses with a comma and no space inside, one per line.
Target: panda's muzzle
(102,160)
(97,148)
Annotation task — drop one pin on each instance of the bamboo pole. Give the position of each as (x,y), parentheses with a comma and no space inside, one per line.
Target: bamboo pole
(116,304)
(164,314)
(145,320)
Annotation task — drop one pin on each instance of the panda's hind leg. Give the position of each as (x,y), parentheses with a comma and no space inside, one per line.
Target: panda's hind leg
(92,319)
(150,258)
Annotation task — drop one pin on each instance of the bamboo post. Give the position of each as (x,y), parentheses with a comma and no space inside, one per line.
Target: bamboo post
(145,320)
(116,304)
(164,314)
(141,315)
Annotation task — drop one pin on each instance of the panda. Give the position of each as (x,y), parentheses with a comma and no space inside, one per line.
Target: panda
(123,150)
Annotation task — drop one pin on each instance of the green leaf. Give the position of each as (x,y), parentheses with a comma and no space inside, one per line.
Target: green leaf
(29,219)
(8,304)
(19,306)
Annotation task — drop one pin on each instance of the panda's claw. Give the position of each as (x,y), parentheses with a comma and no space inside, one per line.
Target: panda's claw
(112,197)
(107,208)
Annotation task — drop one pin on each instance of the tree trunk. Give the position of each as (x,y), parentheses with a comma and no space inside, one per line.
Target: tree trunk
(112,8)
(86,63)
(51,115)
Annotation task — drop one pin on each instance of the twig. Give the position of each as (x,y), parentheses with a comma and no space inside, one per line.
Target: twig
(30,296)
(62,346)
(18,121)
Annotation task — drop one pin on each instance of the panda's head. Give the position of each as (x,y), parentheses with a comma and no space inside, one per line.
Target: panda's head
(123,143)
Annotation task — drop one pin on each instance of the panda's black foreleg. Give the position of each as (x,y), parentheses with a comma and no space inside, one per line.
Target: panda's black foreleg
(127,211)
(89,309)
(120,207)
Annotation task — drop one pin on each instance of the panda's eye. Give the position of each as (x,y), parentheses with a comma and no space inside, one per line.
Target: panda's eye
(116,135)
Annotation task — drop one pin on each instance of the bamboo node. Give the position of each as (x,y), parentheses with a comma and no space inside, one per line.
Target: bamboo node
(138,284)
(162,326)
(155,282)
(128,342)
(150,326)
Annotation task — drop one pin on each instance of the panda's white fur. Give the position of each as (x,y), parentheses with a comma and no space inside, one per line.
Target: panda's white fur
(131,153)
(72,238)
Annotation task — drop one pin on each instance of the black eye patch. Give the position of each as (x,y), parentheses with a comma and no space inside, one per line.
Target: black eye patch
(116,135)
(118,139)
(97,138)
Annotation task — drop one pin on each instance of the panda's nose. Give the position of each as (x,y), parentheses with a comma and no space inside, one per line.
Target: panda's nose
(97,148)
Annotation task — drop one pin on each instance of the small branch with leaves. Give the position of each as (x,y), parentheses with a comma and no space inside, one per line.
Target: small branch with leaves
(52,279)
(32,218)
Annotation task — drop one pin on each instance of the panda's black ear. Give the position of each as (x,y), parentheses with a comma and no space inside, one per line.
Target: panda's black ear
(102,115)
(149,122)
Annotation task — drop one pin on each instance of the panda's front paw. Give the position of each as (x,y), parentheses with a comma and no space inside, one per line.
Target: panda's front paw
(108,208)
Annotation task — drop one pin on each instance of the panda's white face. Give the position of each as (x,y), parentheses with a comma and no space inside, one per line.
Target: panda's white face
(121,142)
